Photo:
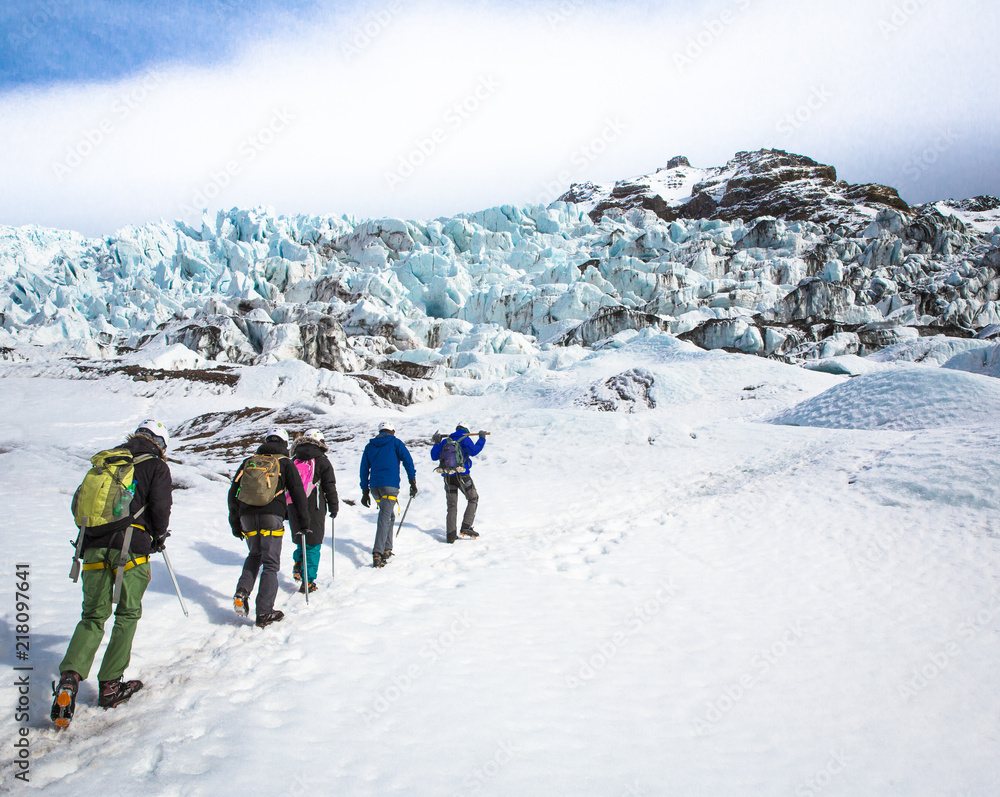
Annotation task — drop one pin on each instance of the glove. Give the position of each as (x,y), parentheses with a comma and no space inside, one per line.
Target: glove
(482,433)
(366,498)
(413,487)
(297,537)
(333,514)
(237,533)
(159,543)
(436,438)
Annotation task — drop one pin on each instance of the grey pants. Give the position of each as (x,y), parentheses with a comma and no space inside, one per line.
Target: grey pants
(265,550)
(386,497)
(453,484)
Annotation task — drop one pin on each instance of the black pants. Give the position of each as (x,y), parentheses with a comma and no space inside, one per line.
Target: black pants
(453,485)
(264,550)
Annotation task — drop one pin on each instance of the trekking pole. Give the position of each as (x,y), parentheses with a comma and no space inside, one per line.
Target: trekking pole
(122,561)
(177,589)
(305,567)
(333,548)
(74,571)
(404,515)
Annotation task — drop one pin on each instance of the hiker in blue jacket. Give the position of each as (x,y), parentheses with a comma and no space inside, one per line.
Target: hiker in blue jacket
(380,472)
(454,482)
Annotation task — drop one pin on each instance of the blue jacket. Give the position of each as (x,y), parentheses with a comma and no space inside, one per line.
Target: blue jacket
(380,462)
(469,449)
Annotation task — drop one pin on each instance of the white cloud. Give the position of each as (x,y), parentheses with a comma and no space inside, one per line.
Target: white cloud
(356,111)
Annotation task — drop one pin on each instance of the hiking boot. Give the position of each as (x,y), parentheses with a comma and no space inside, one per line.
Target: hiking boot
(270,617)
(468,532)
(64,703)
(385,556)
(297,571)
(241,603)
(114,693)
(451,538)
(377,559)
(312,587)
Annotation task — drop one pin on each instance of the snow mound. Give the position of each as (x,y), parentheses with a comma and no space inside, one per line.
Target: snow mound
(985,361)
(936,350)
(901,399)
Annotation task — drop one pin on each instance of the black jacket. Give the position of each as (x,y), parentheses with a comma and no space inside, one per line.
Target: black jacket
(154,490)
(324,495)
(289,481)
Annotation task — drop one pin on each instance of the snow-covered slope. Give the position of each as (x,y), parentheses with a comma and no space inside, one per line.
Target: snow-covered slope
(671,593)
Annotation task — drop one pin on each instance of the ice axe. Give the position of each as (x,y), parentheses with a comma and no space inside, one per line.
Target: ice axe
(404,515)
(177,589)
(74,571)
(305,567)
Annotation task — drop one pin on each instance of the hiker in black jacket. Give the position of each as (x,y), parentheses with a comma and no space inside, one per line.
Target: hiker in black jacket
(149,516)
(263,526)
(309,454)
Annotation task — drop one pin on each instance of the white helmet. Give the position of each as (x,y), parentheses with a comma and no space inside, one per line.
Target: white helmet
(386,426)
(315,435)
(462,427)
(278,432)
(156,429)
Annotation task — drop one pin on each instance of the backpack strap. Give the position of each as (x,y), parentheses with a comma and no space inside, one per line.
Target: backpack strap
(136,461)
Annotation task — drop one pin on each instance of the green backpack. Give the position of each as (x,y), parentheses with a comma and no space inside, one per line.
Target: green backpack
(259,479)
(106,492)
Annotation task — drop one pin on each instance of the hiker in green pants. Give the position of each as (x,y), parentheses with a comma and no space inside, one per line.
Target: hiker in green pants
(98,584)
(136,474)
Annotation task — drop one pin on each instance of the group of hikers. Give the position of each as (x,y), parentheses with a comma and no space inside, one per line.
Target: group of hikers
(122,510)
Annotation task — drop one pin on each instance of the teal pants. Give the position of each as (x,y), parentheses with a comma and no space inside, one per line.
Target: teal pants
(98,588)
(312,559)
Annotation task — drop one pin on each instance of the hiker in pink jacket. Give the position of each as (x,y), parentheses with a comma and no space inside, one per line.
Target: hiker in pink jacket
(308,453)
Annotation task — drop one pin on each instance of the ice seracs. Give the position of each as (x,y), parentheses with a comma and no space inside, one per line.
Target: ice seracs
(769,255)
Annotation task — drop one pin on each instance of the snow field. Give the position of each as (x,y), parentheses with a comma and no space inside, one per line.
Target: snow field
(684,599)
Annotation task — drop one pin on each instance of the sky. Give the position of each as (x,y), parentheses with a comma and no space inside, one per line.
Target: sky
(120,113)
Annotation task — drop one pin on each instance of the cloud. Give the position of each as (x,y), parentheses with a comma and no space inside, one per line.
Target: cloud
(418,110)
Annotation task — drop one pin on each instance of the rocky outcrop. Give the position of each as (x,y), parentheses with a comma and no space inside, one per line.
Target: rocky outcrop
(753,184)
(610,321)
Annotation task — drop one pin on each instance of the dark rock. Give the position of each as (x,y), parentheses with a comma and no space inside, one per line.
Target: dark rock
(222,341)
(815,301)
(408,369)
(976,204)
(624,392)
(324,345)
(609,321)
(678,160)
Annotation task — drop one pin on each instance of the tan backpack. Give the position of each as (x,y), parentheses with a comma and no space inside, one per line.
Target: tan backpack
(259,479)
